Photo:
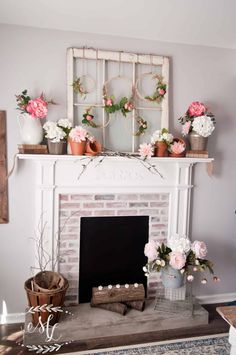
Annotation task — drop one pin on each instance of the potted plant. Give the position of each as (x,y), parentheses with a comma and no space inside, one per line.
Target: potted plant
(32,112)
(177,148)
(178,260)
(78,137)
(161,139)
(47,289)
(57,134)
(198,123)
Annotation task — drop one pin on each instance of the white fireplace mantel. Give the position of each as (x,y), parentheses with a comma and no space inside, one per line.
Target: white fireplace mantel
(56,175)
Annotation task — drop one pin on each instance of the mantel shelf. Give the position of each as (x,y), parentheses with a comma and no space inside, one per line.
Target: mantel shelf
(49,157)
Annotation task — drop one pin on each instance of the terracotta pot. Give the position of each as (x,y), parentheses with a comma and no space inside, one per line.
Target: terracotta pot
(161,149)
(93,148)
(77,148)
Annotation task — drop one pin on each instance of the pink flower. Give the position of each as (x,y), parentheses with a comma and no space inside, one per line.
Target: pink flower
(78,134)
(37,108)
(196,109)
(200,249)
(145,150)
(161,92)
(130,106)
(186,128)
(177,260)
(109,102)
(177,147)
(216,279)
(126,106)
(89,117)
(150,250)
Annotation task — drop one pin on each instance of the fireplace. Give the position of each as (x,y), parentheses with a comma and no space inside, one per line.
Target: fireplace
(91,221)
(116,187)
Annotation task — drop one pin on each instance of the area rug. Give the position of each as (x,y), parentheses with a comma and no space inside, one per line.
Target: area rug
(207,345)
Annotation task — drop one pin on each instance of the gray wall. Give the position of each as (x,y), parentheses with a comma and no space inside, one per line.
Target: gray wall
(36,59)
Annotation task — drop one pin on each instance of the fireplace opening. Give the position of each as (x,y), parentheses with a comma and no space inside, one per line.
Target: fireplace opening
(111,252)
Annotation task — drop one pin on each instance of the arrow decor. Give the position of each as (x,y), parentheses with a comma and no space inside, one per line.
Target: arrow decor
(44,308)
(43,349)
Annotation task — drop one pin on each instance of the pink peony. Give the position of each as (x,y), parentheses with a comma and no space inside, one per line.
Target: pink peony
(196,109)
(150,250)
(186,128)
(37,108)
(109,102)
(145,150)
(177,260)
(161,92)
(89,117)
(177,148)
(78,134)
(200,249)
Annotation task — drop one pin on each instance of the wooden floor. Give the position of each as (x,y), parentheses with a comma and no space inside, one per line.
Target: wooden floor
(11,334)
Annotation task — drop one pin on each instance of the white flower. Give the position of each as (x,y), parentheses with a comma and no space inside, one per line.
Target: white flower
(53,132)
(158,262)
(182,271)
(179,243)
(167,137)
(156,137)
(150,250)
(65,123)
(163,263)
(203,125)
(190,278)
(145,269)
(204,281)
(200,249)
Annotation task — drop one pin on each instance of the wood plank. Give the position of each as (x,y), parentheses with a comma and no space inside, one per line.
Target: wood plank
(3,170)
(121,294)
(228,313)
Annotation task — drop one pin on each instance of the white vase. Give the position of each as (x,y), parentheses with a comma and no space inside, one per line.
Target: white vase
(31,129)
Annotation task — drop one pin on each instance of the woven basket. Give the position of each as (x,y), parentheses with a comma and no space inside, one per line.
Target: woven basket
(54,297)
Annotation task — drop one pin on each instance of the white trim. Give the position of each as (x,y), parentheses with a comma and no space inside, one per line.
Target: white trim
(216,298)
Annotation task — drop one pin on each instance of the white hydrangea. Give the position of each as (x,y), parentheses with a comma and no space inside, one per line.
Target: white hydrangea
(203,125)
(179,243)
(158,136)
(65,123)
(53,132)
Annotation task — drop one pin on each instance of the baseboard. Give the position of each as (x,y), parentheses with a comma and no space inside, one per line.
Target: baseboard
(217,298)
(12,318)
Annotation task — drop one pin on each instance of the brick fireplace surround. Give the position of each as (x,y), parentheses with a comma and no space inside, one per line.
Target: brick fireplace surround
(116,187)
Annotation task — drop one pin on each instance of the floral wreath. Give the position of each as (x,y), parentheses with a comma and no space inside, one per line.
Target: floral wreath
(79,85)
(88,119)
(159,92)
(125,105)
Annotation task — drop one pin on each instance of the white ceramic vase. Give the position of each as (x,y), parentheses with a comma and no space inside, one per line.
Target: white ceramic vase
(31,129)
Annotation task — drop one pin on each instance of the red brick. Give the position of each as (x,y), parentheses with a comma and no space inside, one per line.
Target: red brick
(127,197)
(105,213)
(70,206)
(104,197)
(159,204)
(116,204)
(76,197)
(138,204)
(63,197)
(93,205)
(149,197)
(149,212)
(127,212)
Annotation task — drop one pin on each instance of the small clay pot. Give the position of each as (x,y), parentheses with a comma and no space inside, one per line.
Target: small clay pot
(161,150)
(174,155)
(77,148)
(93,148)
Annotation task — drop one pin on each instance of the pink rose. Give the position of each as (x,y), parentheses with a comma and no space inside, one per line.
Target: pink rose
(126,106)
(89,117)
(150,250)
(161,92)
(109,102)
(186,128)
(196,109)
(200,249)
(37,108)
(177,260)
(130,107)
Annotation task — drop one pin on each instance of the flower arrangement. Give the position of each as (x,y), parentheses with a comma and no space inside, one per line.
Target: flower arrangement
(162,135)
(181,255)
(79,134)
(199,119)
(159,91)
(125,105)
(57,131)
(36,108)
(80,87)
(177,147)
(142,126)
(88,118)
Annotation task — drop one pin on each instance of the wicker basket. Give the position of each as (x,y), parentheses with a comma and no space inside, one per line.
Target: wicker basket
(54,297)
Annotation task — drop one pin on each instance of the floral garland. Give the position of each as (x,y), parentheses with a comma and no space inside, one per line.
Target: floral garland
(79,85)
(142,126)
(159,92)
(125,105)
(88,119)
